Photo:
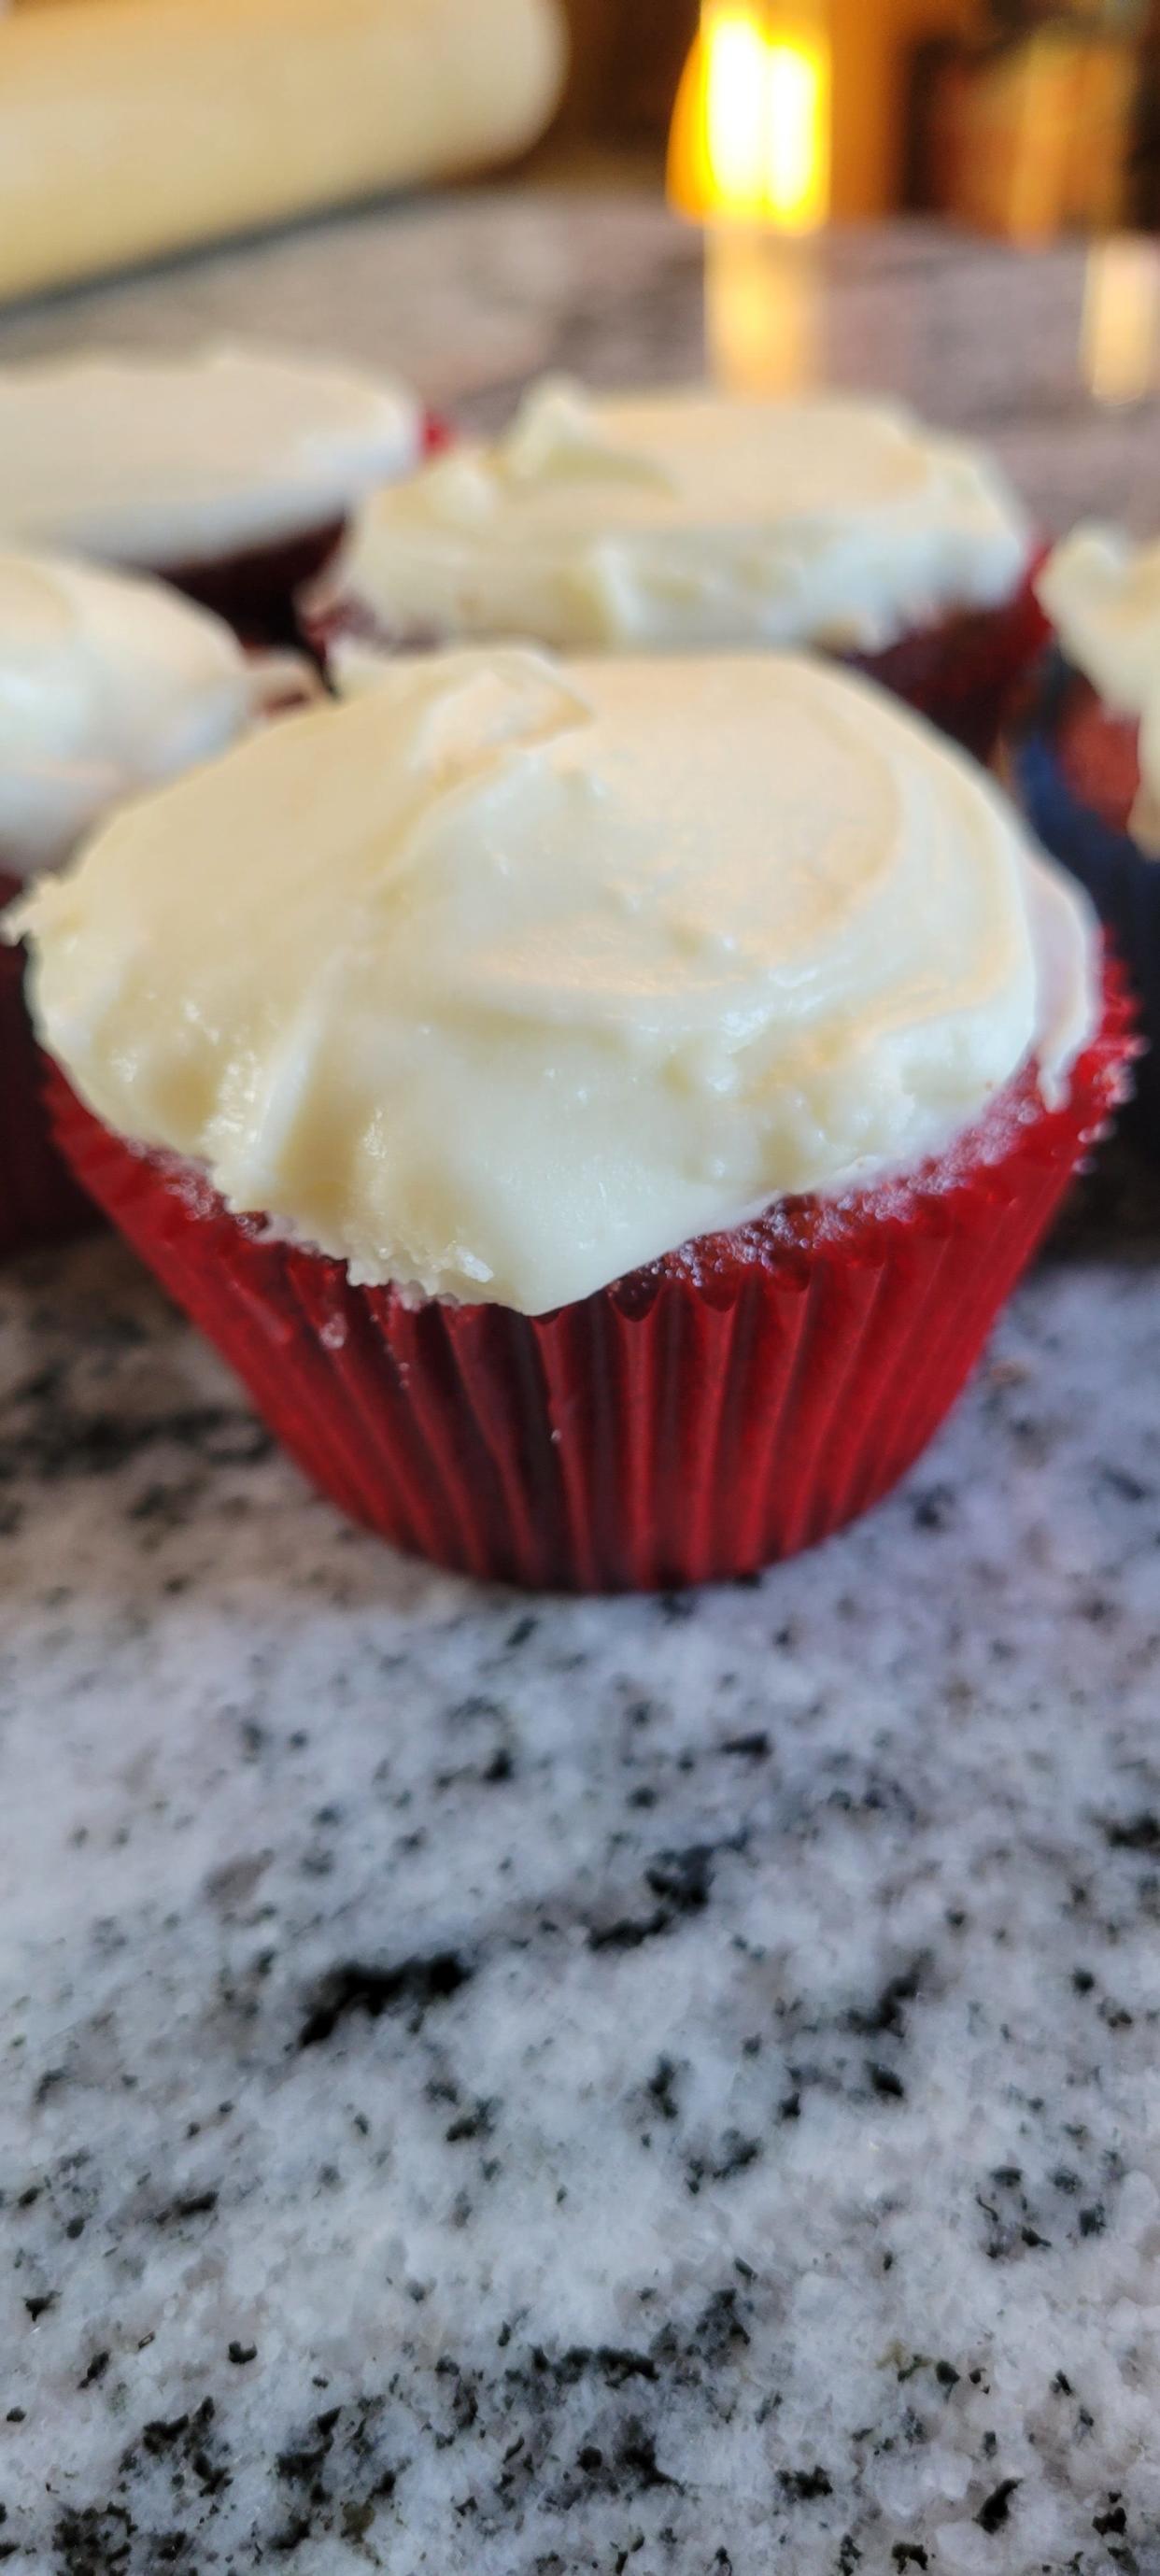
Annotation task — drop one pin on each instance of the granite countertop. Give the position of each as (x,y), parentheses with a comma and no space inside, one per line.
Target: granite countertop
(503,2087)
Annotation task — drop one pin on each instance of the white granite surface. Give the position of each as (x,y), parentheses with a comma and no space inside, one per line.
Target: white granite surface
(509,2088)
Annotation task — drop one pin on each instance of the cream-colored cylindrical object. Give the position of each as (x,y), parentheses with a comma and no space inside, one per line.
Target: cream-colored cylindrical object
(136,126)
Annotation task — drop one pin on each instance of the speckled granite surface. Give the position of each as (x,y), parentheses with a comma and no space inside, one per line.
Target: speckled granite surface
(506,2088)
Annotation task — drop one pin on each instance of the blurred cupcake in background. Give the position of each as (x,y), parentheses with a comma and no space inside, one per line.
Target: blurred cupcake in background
(598,1109)
(231,471)
(1084,755)
(691,522)
(108,685)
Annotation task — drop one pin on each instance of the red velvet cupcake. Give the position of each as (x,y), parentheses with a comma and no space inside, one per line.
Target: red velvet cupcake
(232,472)
(1084,758)
(603,1116)
(691,522)
(108,685)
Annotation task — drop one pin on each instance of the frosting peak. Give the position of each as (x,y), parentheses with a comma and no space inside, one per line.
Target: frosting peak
(688,521)
(168,462)
(531,973)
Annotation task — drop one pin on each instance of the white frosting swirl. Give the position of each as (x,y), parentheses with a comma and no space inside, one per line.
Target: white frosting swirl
(108,684)
(1102,594)
(507,976)
(688,521)
(167,462)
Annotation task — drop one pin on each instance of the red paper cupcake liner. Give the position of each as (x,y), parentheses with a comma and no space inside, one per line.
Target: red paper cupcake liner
(725,1406)
(254,591)
(40,1201)
(962,674)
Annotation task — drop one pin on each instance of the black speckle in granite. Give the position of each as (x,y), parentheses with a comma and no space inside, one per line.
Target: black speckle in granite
(637,2471)
(1130,1489)
(478,2122)
(804,2486)
(96,2370)
(733,2156)
(59,1441)
(195,2204)
(93,2542)
(886,2017)
(413,1988)
(290,2535)
(992,2515)
(683,1878)
(662,2088)
(160,2436)
(469,1712)
(884,2083)
(1135,1834)
(630,1932)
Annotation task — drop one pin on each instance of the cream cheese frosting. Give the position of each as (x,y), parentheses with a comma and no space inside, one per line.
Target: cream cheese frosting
(172,462)
(1102,594)
(507,976)
(109,683)
(687,521)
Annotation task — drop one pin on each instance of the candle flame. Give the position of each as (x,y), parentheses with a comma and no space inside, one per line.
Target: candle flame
(750,137)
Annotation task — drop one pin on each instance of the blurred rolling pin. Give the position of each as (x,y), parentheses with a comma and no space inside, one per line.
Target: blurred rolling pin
(133,127)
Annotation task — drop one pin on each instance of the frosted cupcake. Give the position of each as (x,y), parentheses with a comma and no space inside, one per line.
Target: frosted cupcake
(602,1117)
(231,471)
(690,522)
(1085,755)
(108,685)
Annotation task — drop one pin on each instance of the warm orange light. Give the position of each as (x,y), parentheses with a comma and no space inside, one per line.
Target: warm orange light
(751,130)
